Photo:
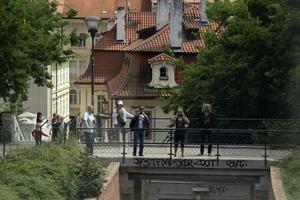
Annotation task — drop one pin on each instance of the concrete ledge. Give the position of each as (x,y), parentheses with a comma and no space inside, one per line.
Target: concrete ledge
(276,187)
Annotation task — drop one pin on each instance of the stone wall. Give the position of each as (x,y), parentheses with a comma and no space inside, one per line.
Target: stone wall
(276,191)
(111,189)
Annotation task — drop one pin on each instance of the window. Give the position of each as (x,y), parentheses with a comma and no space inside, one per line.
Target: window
(101,104)
(78,40)
(163,73)
(73,67)
(82,65)
(82,38)
(73,97)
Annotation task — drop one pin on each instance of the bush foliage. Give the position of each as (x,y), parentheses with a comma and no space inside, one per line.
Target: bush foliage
(290,171)
(50,172)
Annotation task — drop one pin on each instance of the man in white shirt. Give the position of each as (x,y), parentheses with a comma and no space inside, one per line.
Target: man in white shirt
(119,118)
(89,125)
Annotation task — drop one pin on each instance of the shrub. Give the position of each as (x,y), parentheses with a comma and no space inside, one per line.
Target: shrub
(290,170)
(50,172)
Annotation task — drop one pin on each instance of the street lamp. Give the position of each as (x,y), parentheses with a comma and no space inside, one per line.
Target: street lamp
(92,24)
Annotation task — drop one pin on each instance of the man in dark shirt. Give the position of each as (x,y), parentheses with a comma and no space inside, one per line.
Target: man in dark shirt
(140,122)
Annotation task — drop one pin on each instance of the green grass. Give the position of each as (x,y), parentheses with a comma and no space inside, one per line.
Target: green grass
(290,171)
(53,172)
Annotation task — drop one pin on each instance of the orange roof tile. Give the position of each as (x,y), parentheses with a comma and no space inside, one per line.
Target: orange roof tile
(161,57)
(107,66)
(138,20)
(105,9)
(156,43)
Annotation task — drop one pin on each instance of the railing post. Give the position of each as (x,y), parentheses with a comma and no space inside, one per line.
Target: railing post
(171,144)
(218,148)
(265,155)
(123,156)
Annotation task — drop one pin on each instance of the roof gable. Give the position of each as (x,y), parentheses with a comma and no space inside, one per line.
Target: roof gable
(162,57)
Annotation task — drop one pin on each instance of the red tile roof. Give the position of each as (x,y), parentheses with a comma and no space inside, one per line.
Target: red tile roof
(161,57)
(105,9)
(138,21)
(107,66)
(159,40)
(133,79)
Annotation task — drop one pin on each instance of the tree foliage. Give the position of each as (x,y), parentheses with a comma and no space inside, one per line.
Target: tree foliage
(245,69)
(30,40)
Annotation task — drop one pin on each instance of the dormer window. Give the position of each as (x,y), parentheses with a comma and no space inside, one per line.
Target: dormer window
(163,73)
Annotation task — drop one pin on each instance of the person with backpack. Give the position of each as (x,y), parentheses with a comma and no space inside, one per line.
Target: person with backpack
(119,117)
(139,124)
(181,122)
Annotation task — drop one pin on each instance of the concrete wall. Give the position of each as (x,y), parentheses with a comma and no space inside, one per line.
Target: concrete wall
(111,189)
(217,184)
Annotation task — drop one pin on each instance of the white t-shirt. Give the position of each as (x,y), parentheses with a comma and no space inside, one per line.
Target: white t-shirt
(141,120)
(88,120)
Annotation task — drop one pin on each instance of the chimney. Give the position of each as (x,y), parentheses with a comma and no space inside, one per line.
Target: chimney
(176,11)
(120,25)
(162,14)
(204,19)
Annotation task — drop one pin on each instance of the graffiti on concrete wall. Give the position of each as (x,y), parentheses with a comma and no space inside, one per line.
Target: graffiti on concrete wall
(187,163)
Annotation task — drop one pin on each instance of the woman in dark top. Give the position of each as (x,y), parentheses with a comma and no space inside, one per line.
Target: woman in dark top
(180,121)
(207,121)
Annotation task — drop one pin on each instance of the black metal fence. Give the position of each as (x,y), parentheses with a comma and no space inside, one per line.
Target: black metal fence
(254,143)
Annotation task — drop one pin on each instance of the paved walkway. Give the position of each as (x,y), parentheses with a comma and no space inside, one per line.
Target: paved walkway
(249,152)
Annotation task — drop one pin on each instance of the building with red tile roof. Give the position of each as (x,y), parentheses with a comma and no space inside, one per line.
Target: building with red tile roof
(127,69)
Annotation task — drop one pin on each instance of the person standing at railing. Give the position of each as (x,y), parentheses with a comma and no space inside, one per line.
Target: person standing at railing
(181,122)
(139,123)
(89,126)
(207,121)
(119,117)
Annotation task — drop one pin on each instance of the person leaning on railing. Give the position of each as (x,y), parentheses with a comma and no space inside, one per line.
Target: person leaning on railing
(119,117)
(180,121)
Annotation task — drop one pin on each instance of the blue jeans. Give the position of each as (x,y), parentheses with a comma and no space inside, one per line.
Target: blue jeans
(139,136)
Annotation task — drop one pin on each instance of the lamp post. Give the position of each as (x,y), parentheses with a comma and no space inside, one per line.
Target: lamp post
(92,24)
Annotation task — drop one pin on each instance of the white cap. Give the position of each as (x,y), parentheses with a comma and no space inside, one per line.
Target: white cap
(120,102)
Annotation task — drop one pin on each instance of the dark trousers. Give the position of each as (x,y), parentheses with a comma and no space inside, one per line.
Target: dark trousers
(139,136)
(179,137)
(89,142)
(205,138)
(38,141)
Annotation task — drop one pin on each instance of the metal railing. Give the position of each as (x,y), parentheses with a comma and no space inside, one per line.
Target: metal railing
(251,143)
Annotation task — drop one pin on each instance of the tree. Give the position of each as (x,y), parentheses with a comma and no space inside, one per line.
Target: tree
(30,40)
(244,70)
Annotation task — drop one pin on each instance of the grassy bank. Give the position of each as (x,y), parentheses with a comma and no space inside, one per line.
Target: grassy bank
(53,172)
(290,171)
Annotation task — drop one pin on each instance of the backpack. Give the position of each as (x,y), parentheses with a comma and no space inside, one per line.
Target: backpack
(121,121)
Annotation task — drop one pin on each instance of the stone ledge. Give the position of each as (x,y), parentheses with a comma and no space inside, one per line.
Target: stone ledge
(276,191)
